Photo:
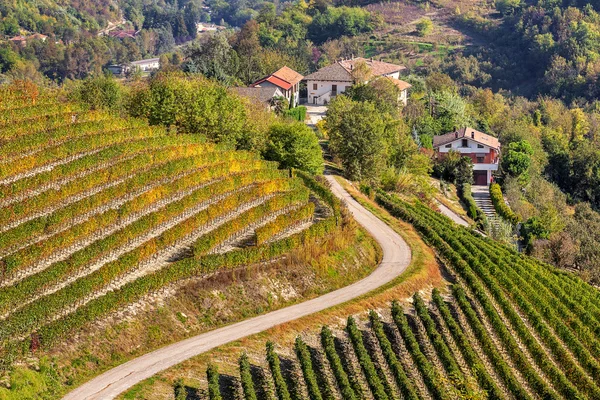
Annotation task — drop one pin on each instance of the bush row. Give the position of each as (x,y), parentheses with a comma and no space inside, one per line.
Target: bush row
(407,388)
(308,372)
(337,368)
(246,378)
(284,222)
(133,187)
(212,375)
(92,162)
(274,365)
(72,148)
(500,205)
(464,192)
(37,312)
(12,296)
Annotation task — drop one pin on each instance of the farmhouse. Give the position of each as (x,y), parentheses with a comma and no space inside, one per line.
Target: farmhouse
(483,149)
(22,40)
(287,80)
(326,83)
(145,66)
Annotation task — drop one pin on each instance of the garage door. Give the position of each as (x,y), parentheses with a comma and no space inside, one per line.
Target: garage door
(480,177)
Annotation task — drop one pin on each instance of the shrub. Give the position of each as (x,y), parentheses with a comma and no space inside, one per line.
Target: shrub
(424,27)
(212,374)
(500,205)
(296,113)
(274,364)
(464,191)
(246,378)
(179,389)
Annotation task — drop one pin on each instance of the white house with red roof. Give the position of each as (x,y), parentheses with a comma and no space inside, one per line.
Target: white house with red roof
(483,149)
(326,83)
(287,80)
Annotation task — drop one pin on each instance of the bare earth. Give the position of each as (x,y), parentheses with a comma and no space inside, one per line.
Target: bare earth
(396,258)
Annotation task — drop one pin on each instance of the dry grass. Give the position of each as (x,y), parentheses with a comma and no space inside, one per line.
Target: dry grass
(422,275)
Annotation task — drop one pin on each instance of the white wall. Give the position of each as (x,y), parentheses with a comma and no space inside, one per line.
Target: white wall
(323,92)
(286,93)
(457,146)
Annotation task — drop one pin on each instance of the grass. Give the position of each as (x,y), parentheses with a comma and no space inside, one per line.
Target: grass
(422,273)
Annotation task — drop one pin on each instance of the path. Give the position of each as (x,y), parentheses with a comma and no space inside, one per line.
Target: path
(314,114)
(396,257)
(451,214)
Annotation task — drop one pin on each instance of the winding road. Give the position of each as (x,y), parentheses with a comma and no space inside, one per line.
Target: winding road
(396,258)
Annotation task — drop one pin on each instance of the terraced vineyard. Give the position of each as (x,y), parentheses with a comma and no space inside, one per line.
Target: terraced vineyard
(510,328)
(97,212)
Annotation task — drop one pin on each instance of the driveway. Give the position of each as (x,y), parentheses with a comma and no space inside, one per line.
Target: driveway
(396,258)
(314,113)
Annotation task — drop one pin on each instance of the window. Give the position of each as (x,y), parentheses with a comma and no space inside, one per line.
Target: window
(480,160)
(333,89)
(465,143)
(480,146)
(449,146)
(315,86)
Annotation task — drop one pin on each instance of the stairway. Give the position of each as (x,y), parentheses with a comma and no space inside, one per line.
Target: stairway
(481,195)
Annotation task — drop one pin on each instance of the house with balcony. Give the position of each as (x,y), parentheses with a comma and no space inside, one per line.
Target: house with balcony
(326,83)
(483,149)
(287,80)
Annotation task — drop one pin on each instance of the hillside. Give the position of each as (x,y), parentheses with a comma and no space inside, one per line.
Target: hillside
(511,327)
(97,212)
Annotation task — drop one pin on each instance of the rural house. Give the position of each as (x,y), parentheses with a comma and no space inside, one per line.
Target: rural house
(145,66)
(326,83)
(287,80)
(483,149)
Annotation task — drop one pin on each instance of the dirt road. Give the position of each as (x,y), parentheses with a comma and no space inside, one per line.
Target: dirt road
(396,257)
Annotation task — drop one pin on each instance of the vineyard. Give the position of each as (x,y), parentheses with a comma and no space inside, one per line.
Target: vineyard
(510,327)
(97,212)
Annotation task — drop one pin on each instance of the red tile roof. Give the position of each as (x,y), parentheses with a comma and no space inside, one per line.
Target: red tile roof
(467,132)
(285,78)
(287,74)
(399,83)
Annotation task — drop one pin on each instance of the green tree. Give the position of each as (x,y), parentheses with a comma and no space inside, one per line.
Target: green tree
(357,132)
(213,57)
(424,27)
(294,145)
(516,159)
(101,92)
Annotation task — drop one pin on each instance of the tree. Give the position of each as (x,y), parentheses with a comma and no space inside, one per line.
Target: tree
(517,159)
(454,167)
(196,105)
(99,92)
(212,57)
(356,132)
(424,27)
(294,145)
(507,7)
